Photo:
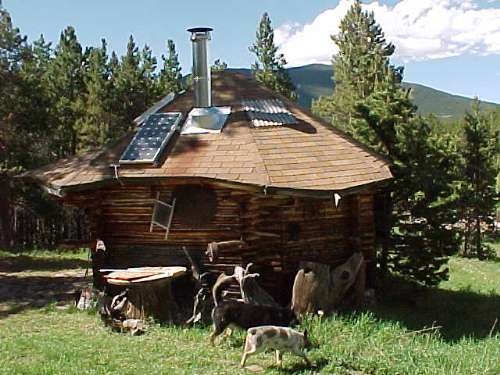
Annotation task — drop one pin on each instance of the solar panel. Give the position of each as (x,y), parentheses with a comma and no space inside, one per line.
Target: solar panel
(267,112)
(151,138)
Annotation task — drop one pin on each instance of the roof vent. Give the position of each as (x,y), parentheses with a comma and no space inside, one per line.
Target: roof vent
(206,120)
(201,71)
(203,118)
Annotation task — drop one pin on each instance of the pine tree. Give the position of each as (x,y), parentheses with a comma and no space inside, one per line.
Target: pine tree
(417,237)
(269,67)
(218,66)
(94,127)
(65,85)
(41,55)
(13,47)
(36,121)
(415,216)
(170,75)
(131,97)
(23,120)
(362,62)
(148,64)
(479,152)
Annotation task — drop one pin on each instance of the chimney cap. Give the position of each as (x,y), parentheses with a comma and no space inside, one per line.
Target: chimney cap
(199,29)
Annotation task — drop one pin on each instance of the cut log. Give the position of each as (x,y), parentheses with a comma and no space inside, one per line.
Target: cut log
(216,249)
(151,299)
(149,296)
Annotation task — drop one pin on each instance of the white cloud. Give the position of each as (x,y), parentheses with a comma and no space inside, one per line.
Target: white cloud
(420,29)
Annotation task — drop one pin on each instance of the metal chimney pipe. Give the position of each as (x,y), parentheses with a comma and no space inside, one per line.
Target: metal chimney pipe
(201,71)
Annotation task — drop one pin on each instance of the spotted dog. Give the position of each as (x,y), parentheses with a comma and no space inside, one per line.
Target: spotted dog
(281,339)
(247,315)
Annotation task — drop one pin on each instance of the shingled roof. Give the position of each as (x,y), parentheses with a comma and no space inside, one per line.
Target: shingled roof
(308,155)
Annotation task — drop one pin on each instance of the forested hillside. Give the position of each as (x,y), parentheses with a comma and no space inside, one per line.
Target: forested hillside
(315,80)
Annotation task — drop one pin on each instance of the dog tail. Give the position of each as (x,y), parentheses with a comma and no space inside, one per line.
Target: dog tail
(221,280)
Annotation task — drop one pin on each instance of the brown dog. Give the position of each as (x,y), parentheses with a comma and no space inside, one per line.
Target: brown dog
(280,339)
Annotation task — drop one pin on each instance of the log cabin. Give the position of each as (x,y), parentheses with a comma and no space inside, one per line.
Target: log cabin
(231,160)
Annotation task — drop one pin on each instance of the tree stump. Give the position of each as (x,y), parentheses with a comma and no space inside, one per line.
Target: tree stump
(151,299)
(318,287)
(147,292)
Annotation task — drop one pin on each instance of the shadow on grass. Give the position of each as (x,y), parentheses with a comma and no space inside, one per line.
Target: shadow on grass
(316,367)
(22,293)
(32,263)
(460,314)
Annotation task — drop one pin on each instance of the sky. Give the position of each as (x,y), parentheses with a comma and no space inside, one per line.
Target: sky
(451,45)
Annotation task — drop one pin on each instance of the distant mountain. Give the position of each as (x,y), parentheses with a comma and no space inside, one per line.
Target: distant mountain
(315,80)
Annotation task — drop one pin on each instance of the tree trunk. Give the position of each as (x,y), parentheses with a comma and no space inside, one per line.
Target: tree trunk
(383,219)
(478,236)
(153,299)
(467,234)
(6,237)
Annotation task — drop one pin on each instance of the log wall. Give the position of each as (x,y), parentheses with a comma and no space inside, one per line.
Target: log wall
(280,231)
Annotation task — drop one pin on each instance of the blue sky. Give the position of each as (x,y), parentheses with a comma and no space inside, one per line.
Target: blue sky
(450,45)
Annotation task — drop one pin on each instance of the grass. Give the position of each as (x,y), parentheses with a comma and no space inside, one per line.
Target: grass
(42,260)
(392,338)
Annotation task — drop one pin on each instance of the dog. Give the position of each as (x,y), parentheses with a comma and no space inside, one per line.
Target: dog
(134,326)
(247,315)
(281,339)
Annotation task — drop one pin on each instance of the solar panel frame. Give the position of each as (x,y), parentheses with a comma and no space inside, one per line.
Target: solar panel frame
(124,159)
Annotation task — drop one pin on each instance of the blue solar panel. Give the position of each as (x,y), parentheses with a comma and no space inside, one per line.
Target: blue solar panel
(151,138)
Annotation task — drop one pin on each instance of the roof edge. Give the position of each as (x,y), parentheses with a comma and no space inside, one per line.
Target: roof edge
(61,192)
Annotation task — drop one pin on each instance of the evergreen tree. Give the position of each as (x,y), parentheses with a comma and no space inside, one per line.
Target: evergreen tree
(94,127)
(114,68)
(417,236)
(23,119)
(35,96)
(131,98)
(415,216)
(478,196)
(148,64)
(12,49)
(218,66)
(170,75)
(425,203)
(41,56)
(269,67)
(362,62)
(65,85)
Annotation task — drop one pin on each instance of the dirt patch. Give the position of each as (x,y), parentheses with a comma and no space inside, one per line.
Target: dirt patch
(31,282)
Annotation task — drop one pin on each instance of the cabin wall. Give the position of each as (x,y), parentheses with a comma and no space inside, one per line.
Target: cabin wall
(284,231)
(125,217)
(280,231)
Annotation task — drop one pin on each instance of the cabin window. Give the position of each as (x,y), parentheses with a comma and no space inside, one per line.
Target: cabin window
(194,205)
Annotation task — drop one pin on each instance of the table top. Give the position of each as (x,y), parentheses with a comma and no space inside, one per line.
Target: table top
(137,275)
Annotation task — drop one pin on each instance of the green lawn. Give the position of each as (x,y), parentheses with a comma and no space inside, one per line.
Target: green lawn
(385,340)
